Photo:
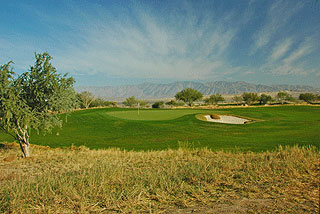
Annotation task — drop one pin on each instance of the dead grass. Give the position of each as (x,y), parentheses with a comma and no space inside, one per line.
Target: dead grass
(79,180)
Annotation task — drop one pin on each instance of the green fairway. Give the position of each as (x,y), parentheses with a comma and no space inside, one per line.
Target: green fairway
(162,129)
(152,114)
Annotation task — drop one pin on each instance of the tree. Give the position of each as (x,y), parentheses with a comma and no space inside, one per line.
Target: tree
(250,98)
(264,99)
(130,101)
(189,95)
(33,99)
(284,96)
(214,99)
(86,98)
(237,99)
(307,97)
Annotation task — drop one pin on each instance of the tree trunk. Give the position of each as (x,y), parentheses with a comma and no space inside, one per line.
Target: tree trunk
(26,150)
(23,139)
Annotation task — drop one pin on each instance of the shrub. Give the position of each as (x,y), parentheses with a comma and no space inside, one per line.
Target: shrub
(158,104)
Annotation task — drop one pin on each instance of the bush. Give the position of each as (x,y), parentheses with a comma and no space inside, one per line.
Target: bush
(158,104)
(174,103)
(98,102)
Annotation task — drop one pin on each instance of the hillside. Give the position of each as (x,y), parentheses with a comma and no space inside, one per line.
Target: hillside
(154,91)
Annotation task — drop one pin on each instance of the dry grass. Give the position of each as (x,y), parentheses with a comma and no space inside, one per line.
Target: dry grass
(78,180)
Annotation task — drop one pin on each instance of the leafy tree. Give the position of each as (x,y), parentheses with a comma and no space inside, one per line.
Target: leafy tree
(307,97)
(250,98)
(214,99)
(86,98)
(189,95)
(33,99)
(264,99)
(130,101)
(237,99)
(158,104)
(284,96)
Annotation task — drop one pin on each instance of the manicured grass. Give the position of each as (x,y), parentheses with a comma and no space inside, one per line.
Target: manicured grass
(163,129)
(151,114)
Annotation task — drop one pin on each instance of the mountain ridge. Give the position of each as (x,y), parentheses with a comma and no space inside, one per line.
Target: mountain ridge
(161,90)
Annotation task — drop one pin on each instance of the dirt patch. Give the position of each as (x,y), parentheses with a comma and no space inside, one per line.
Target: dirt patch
(234,206)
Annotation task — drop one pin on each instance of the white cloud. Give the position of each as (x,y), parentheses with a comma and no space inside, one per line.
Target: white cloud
(152,49)
(278,16)
(280,50)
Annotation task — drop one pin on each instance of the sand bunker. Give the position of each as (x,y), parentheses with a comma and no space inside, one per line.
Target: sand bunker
(227,119)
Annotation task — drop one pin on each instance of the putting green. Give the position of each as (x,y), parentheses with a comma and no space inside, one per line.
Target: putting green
(153,114)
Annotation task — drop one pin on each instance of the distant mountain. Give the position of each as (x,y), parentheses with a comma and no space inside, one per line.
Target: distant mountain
(156,91)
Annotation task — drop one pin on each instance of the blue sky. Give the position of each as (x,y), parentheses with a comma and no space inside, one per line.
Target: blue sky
(128,42)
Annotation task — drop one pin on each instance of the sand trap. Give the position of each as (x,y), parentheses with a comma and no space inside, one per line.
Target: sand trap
(227,119)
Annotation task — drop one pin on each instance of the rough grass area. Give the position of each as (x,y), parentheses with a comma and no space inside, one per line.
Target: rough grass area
(79,180)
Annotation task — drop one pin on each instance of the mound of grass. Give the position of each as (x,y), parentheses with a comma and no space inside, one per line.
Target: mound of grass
(79,180)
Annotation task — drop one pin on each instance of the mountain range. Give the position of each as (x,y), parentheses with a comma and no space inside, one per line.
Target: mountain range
(156,91)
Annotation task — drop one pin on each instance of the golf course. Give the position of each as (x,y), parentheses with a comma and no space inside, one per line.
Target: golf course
(150,129)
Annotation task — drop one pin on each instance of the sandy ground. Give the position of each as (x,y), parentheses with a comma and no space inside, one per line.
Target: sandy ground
(227,119)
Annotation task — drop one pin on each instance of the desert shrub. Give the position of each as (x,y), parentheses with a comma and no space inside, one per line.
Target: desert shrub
(174,103)
(158,104)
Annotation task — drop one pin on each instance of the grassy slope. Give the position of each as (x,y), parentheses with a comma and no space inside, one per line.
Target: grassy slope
(99,128)
(198,181)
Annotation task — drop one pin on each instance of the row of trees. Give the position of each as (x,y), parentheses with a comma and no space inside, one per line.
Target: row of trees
(189,96)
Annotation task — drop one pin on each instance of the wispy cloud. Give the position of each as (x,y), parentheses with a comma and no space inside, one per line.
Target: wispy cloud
(278,15)
(149,48)
(281,49)
(175,40)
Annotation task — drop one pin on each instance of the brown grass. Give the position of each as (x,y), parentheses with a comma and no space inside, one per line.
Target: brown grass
(79,180)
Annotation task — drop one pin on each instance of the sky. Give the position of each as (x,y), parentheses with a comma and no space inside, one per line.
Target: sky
(104,42)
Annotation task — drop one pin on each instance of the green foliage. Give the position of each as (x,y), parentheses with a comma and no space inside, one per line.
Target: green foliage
(189,95)
(130,101)
(250,98)
(308,97)
(237,99)
(174,103)
(284,96)
(31,99)
(158,104)
(85,99)
(142,103)
(98,102)
(214,99)
(264,99)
